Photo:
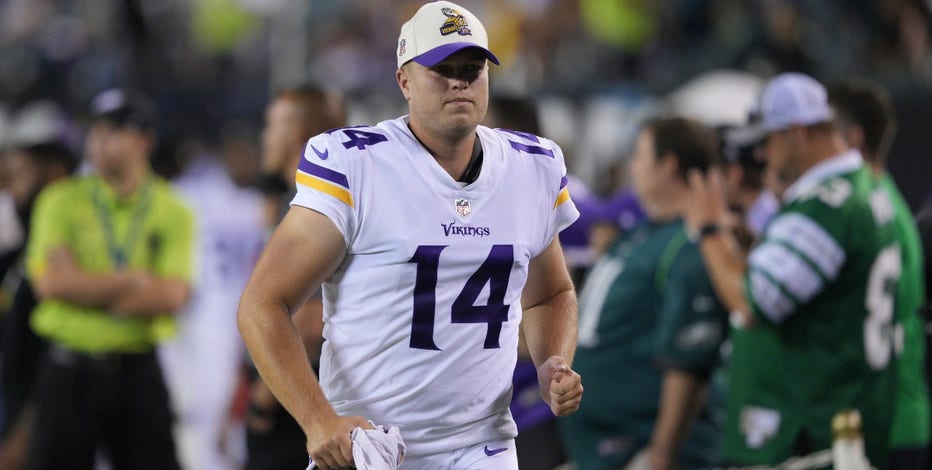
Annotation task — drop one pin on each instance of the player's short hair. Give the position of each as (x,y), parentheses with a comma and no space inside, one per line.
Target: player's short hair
(691,143)
(867,105)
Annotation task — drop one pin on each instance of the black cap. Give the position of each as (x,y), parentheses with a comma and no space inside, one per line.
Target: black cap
(122,108)
(741,144)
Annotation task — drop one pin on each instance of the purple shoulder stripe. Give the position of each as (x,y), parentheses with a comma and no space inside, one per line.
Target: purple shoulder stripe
(323,173)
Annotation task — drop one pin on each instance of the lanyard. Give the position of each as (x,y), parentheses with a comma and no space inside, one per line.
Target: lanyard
(120,252)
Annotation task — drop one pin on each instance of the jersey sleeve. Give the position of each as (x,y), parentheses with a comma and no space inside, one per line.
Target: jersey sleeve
(49,227)
(799,256)
(323,183)
(692,322)
(544,159)
(565,211)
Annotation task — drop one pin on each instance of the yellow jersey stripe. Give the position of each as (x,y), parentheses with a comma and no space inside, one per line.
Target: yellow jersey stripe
(562,197)
(325,187)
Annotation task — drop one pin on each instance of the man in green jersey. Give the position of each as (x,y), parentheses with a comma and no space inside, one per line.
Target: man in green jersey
(110,257)
(813,301)
(865,118)
(650,326)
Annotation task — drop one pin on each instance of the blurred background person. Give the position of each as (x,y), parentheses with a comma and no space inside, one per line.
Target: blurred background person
(811,303)
(750,200)
(650,324)
(33,167)
(295,115)
(33,141)
(725,100)
(865,118)
(109,255)
(202,363)
(617,213)
(274,439)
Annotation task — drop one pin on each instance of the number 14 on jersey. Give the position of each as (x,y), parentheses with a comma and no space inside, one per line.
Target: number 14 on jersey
(495,272)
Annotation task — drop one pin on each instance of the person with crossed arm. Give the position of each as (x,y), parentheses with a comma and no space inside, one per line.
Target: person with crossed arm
(110,255)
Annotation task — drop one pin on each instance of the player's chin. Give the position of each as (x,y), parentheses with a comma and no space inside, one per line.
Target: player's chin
(463,116)
(458,126)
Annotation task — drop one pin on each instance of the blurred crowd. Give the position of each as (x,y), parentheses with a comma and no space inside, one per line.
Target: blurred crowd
(212,64)
(219,74)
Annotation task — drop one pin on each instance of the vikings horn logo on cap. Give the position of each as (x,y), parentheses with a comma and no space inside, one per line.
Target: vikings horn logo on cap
(455,23)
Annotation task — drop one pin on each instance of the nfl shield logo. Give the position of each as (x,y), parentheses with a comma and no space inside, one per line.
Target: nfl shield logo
(462,207)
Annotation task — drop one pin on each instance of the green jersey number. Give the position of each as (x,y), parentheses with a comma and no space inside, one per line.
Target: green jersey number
(878,326)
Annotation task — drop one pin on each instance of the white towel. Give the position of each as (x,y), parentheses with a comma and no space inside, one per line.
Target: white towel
(376,449)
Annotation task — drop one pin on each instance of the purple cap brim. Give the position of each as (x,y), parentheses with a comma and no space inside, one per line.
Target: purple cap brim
(437,54)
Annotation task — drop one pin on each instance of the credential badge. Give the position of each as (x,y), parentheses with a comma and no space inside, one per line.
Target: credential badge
(462,207)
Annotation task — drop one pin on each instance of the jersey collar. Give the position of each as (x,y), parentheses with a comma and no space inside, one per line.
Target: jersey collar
(842,163)
(109,196)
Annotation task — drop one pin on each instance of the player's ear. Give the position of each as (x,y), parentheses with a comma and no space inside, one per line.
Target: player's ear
(404,81)
(855,136)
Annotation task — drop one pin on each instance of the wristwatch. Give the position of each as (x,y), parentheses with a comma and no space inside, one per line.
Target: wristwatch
(696,235)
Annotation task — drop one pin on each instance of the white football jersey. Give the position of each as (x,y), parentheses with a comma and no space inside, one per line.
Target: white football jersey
(421,319)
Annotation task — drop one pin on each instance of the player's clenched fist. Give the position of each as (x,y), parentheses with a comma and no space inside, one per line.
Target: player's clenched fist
(560,386)
(329,444)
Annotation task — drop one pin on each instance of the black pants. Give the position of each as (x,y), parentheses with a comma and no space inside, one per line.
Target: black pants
(117,403)
(22,352)
(283,447)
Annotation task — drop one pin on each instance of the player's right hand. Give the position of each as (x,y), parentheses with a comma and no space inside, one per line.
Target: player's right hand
(329,443)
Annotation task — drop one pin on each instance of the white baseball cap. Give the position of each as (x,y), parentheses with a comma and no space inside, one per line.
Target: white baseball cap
(439,29)
(793,99)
